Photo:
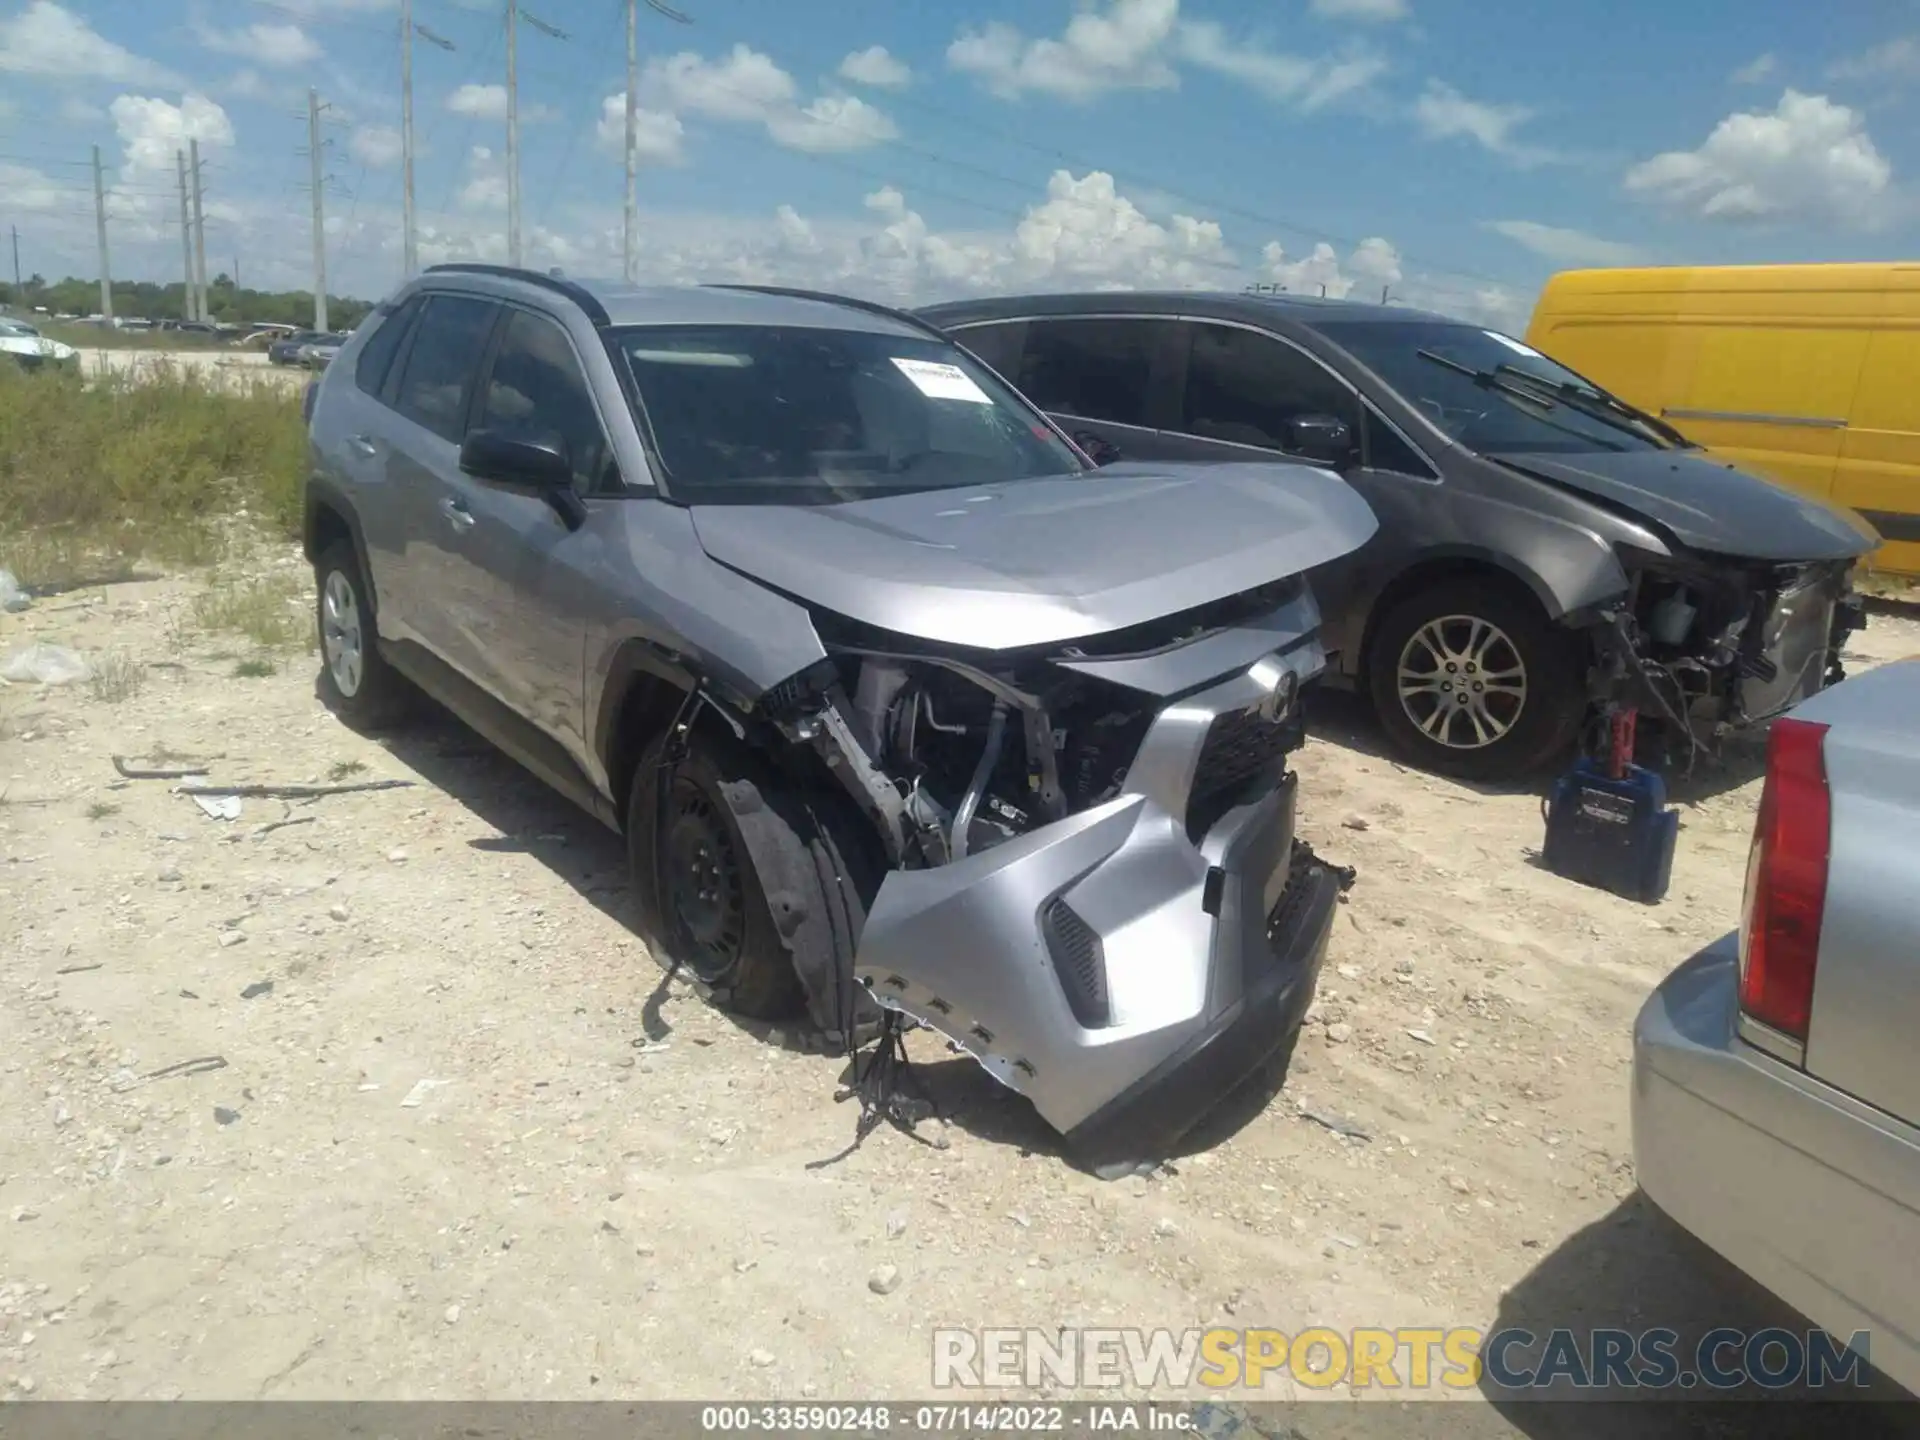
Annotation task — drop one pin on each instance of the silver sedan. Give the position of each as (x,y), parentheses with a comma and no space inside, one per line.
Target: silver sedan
(1776,1083)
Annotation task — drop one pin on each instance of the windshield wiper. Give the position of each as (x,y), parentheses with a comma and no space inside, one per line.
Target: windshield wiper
(1599,404)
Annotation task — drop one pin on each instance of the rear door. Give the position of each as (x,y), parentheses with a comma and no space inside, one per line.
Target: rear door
(433,396)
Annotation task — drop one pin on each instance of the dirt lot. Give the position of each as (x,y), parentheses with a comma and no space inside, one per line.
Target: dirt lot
(465,1142)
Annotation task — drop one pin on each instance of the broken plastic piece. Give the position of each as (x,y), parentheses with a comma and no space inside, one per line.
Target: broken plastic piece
(13,597)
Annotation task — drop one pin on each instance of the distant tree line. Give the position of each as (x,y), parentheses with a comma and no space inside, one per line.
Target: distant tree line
(144,300)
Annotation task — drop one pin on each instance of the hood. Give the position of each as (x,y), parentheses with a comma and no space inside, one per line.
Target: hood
(36,345)
(1036,562)
(1708,504)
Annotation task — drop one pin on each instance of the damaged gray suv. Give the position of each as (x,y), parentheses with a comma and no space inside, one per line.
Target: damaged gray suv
(903,706)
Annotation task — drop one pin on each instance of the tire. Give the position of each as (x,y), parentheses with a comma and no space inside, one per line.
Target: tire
(356,683)
(704,905)
(1530,697)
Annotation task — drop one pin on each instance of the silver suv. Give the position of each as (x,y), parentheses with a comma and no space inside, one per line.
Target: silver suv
(903,706)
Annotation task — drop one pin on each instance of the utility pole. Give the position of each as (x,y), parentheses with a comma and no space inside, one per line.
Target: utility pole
(319,216)
(16,262)
(203,305)
(632,235)
(188,310)
(513,133)
(100,227)
(408,247)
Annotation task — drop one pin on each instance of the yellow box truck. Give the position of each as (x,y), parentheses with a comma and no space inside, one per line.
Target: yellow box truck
(1808,374)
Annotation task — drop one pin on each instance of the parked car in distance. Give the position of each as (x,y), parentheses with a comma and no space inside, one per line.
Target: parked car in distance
(286,350)
(26,347)
(1544,548)
(320,351)
(1801,373)
(1776,1087)
(898,701)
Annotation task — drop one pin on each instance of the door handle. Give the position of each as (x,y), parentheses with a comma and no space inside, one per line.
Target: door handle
(361,445)
(457,515)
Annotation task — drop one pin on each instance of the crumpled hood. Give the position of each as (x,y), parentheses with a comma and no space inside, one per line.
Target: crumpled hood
(36,345)
(1036,562)
(1709,504)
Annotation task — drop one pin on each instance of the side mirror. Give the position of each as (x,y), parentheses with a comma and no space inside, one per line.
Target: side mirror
(538,465)
(1101,452)
(1324,438)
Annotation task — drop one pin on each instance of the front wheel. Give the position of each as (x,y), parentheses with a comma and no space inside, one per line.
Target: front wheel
(1470,679)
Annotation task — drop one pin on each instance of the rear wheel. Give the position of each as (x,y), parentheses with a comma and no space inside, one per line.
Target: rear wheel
(355,681)
(1470,678)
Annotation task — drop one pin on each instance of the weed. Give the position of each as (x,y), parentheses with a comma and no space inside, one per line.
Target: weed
(257,668)
(115,677)
(261,609)
(101,809)
(345,768)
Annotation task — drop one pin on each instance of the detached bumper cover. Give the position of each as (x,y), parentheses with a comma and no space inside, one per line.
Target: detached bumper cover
(1117,969)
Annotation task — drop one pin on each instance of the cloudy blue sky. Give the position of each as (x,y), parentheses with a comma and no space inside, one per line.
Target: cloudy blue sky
(1455,151)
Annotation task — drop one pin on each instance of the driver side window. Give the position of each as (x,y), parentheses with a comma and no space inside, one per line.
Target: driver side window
(1244,387)
(536,391)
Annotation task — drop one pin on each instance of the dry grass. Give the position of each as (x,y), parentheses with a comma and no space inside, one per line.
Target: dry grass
(258,668)
(268,610)
(114,677)
(99,472)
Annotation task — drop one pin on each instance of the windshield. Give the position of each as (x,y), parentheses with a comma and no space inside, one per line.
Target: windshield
(1492,393)
(759,415)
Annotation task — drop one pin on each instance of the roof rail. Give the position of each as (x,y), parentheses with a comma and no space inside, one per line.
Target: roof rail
(825,297)
(572,289)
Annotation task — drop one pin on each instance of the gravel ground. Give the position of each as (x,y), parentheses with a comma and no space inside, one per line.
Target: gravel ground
(452,1134)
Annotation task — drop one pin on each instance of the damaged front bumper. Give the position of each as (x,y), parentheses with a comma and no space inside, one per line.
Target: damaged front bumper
(1128,966)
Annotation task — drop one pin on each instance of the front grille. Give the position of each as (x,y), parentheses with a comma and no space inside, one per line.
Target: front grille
(1240,746)
(1080,962)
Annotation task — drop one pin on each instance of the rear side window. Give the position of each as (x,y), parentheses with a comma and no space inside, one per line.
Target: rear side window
(1092,369)
(537,392)
(437,382)
(1244,387)
(376,356)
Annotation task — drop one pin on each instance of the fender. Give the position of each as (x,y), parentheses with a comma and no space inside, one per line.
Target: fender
(322,493)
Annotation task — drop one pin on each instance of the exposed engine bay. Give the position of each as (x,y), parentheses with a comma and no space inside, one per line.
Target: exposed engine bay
(1706,648)
(1090,849)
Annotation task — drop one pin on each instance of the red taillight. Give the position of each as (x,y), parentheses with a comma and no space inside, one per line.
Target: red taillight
(1787,880)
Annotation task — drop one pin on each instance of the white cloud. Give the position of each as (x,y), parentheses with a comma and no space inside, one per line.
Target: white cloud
(745,85)
(1566,247)
(489,102)
(45,39)
(1309,83)
(1369,12)
(831,123)
(875,66)
(1761,67)
(154,130)
(1373,265)
(30,189)
(375,146)
(1896,59)
(657,134)
(277,45)
(486,186)
(1808,159)
(1443,113)
(1118,47)
(75,111)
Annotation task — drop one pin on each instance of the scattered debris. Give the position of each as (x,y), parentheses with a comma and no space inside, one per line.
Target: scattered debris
(760,1359)
(203,1065)
(1335,1124)
(13,596)
(40,664)
(1422,1036)
(169,875)
(25,1212)
(337,912)
(1165,1229)
(397,856)
(219,807)
(896,1224)
(1339,1032)
(163,772)
(885,1280)
(291,792)
(451,1315)
(1356,822)
(260,832)
(223,1116)
(421,1089)
(231,938)
(78,969)
(257,989)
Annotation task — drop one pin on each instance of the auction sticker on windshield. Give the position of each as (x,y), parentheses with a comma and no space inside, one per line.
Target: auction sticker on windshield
(939,381)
